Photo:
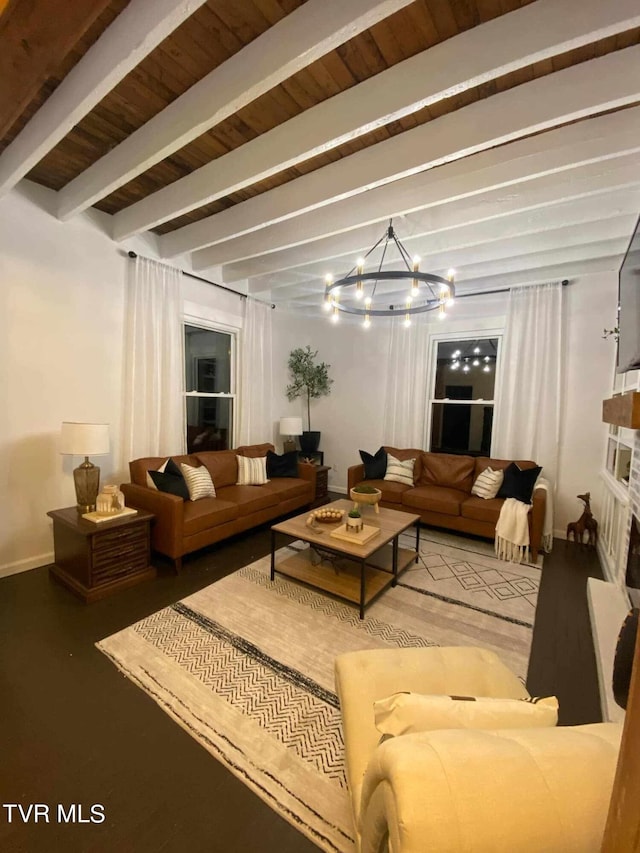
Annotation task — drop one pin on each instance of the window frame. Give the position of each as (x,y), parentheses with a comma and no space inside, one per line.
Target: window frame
(232,394)
(460,335)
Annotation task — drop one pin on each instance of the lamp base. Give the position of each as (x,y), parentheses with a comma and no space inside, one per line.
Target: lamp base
(288,446)
(87,481)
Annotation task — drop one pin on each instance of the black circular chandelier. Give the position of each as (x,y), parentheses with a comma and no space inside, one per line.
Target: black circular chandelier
(427,291)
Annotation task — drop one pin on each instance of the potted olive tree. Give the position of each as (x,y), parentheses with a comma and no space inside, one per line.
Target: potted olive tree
(310,380)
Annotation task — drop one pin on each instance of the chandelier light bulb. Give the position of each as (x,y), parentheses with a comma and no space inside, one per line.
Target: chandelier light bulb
(360,266)
(328,279)
(367,301)
(486,358)
(326,305)
(451,274)
(449,302)
(367,322)
(414,288)
(455,365)
(457,354)
(441,311)
(466,368)
(486,369)
(407,321)
(359,290)
(476,350)
(476,362)
(416,263)
(336,314)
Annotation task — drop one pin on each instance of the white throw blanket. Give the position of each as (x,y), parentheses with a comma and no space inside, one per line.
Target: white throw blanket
(512,530)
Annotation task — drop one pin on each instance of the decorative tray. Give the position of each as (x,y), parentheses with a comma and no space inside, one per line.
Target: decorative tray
(328,516)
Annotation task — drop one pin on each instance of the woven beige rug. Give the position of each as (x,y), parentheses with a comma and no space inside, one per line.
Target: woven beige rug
(246,667)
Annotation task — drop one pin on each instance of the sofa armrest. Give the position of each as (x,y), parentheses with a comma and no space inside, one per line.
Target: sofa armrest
(536,522)
(308,471)
(438,789)
(167,530)
(355,475)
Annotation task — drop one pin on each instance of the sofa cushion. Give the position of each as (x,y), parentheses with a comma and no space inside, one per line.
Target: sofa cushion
(249,498)
(400,471)
(375,466)
(406,713)
(252,470)
(391,492)
(404,453)
(435,499)
(282,466)
(253,450)
(481,510)
(221,464)
(198,482)
(138,467)
(518,483)
(206,513)
(487,483)
(288,487)
(447,469)
(171,480)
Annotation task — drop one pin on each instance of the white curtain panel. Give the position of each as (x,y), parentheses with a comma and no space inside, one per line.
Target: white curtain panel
(255,421)
(153,419)
(406,384)
(528,416)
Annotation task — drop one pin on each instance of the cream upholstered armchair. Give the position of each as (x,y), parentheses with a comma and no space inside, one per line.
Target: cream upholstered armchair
(471,790)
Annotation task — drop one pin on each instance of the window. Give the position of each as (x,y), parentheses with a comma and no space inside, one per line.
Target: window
(209,357)
(462,396)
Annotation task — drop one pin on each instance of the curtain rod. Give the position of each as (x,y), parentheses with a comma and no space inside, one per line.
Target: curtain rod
(564,283)
(134,255)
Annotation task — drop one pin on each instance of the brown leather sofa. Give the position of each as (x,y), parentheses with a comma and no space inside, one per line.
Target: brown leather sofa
(184,526)
(441,493)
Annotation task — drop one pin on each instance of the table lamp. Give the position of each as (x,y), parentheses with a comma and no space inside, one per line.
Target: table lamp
(290,427)
(85,440)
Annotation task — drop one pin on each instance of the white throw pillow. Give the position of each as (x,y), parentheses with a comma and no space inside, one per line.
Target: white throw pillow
(150,483)
(399,472)
(252,471)
(405,713)
(487,484)
(198,482)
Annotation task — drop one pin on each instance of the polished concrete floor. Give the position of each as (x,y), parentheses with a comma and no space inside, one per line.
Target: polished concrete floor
(74,730)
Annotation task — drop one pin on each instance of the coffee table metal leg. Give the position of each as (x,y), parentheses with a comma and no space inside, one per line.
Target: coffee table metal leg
(417,540)
(273,554)
(394,564)
(362,589)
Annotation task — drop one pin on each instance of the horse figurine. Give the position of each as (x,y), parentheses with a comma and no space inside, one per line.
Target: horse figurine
(585,524)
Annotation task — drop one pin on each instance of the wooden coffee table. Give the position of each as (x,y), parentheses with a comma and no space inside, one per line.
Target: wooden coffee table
(367,570)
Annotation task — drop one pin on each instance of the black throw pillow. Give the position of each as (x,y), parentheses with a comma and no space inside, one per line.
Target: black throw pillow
(282,466)
(623,659)
(171,480)
(519,483)
(375,467)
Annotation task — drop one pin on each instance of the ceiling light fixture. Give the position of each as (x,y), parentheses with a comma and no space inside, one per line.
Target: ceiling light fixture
(427,291)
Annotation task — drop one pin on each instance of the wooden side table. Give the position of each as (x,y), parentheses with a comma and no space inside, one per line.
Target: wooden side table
(95,560)
(322,486)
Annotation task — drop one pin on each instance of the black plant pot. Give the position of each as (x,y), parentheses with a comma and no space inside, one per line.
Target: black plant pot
(309,441)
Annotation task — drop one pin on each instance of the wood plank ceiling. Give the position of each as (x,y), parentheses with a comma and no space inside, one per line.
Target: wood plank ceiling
(44,40)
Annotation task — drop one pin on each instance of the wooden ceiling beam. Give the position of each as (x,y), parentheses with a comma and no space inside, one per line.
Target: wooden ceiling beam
(603,84)
(35,37)
(513,41)
(140,27)
(309,32)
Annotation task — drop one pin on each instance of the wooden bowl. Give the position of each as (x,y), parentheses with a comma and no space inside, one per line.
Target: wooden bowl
(367,498)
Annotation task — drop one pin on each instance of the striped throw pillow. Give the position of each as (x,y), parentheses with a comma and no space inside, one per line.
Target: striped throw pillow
(252,471)
(399,472)
(487,484)
(198,482)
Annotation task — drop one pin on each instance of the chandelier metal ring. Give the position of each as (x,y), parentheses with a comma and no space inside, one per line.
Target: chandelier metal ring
(394,275)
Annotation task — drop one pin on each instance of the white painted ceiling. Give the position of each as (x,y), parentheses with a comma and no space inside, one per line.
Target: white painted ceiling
(536,183)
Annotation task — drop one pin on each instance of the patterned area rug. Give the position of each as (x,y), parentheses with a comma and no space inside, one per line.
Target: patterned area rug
(473,576)
(246,667)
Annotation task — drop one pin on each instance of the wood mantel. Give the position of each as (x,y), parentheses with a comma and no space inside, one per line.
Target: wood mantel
(622,410)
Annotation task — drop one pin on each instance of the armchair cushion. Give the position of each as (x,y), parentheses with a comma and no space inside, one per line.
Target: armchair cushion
(405,713)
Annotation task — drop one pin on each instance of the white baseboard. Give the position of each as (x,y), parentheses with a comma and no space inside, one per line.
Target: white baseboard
(26,565)
(341,490)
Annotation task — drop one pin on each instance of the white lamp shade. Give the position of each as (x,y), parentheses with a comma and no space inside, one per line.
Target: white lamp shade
(84,439)
(290,426)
